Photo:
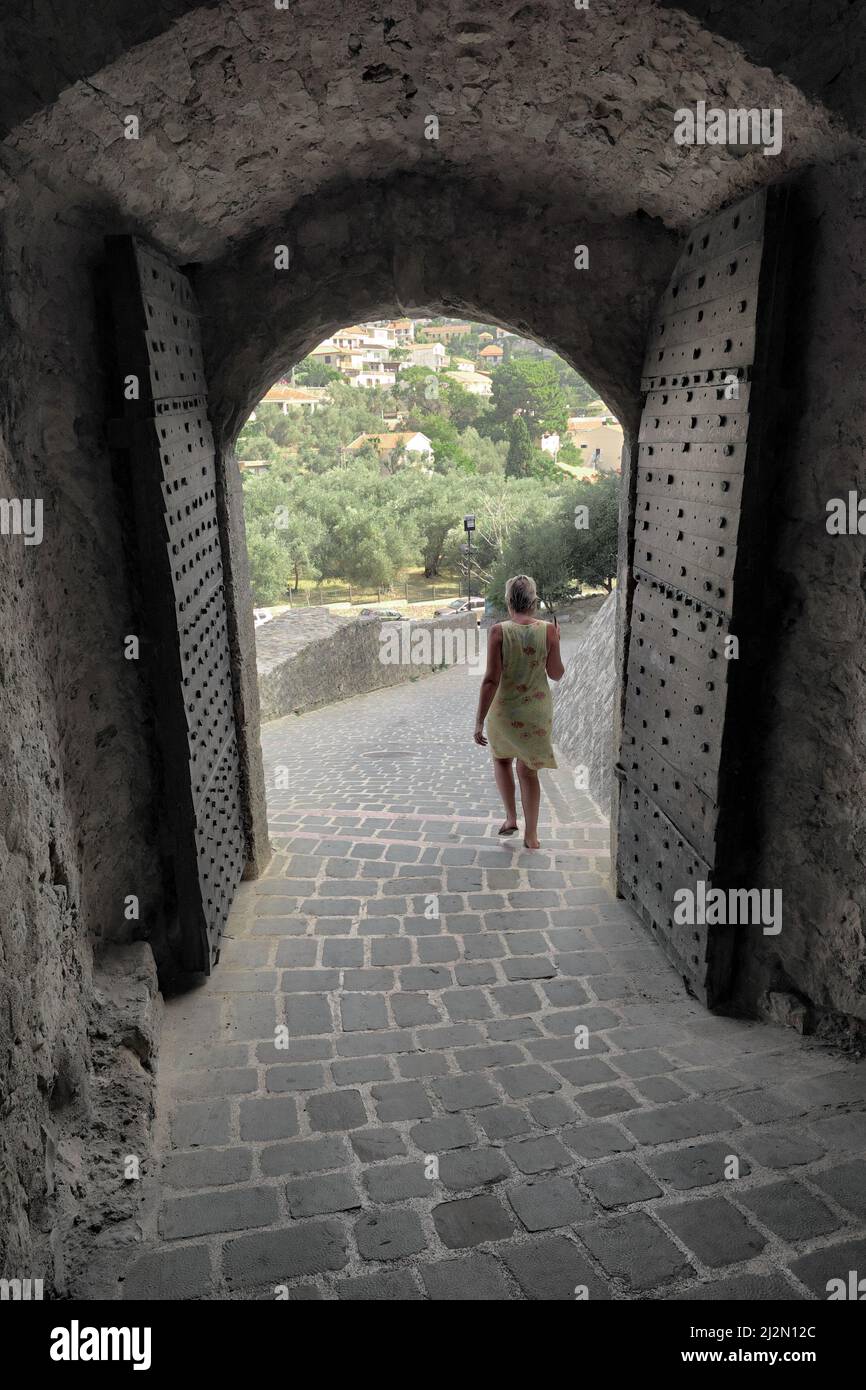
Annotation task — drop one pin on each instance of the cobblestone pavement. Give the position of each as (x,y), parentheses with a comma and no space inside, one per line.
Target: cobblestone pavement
(421,1044)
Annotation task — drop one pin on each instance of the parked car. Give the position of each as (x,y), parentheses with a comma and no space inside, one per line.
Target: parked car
(262,615)
(384,615)
(461,605)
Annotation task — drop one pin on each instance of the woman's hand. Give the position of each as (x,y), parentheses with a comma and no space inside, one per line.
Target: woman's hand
(479,735)
(553,666)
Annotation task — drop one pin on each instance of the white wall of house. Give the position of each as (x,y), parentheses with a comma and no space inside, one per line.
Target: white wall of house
(429,355)
(418,444)
(368,375)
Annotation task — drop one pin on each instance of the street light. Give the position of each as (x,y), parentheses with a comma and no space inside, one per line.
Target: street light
(469,527)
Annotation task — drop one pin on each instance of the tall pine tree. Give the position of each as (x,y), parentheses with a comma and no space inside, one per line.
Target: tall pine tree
(518,464)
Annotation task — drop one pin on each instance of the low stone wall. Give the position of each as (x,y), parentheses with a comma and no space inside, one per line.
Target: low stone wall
(583,704)
(313,657)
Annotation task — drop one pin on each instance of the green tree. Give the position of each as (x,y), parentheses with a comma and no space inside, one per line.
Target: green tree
(417,390)
(532,390)
(312,371)
(591,517)
(258,446)
(282,532)
(462,408)
(570,453)
(365,537)
(288,429)
(269,566)
(487,456)
(500,506)
(578,392)
(436,505)
(518,464)
(538,548)
(448,450)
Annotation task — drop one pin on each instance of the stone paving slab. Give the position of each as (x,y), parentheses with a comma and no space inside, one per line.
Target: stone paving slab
(378,1095)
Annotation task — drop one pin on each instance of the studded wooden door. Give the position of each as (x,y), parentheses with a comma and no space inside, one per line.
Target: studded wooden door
(698,541)
(184,643)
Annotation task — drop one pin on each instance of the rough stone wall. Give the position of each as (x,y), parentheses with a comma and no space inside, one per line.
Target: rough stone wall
(313,658)
(39,55)
(825,60)
(246,109)
(812,779)
(79,809)
(583,704)
(77,830)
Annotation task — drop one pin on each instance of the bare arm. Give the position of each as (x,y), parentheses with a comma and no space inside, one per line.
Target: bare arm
(490,683)
(554,667)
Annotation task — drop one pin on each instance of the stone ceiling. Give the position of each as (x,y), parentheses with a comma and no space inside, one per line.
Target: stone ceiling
(822,50)
(245,109)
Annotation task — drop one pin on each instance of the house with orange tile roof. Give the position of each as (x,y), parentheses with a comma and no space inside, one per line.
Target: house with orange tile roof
(444,332)
(401,441)
(403,330)
(297,397)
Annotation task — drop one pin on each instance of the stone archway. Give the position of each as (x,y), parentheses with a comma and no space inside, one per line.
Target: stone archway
(365,251)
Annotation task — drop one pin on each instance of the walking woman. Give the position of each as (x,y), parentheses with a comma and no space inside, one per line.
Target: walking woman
(515,700)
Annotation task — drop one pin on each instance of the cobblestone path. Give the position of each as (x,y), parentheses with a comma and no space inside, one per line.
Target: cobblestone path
(431,1131)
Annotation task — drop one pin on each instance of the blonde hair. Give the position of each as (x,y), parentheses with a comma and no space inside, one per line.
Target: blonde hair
(520,593)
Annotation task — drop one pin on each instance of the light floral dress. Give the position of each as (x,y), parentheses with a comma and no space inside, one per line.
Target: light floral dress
(520,719)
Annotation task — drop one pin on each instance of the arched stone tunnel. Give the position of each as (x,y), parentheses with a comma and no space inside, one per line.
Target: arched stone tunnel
(216,134)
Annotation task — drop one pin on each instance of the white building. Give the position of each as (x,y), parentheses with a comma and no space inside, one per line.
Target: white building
(375,350)
(403,330)
(372,374)
(329,353)
(384,333)
(404,441)
(308,398)
(476,383)
(352,337)
(425,355)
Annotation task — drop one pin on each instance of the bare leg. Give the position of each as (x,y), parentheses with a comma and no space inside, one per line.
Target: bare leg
(530,798)
(504,775)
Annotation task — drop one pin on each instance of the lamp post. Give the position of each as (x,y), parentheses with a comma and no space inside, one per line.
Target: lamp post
(469,527)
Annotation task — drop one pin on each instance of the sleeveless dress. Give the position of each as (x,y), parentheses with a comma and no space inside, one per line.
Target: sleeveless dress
(520,719)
